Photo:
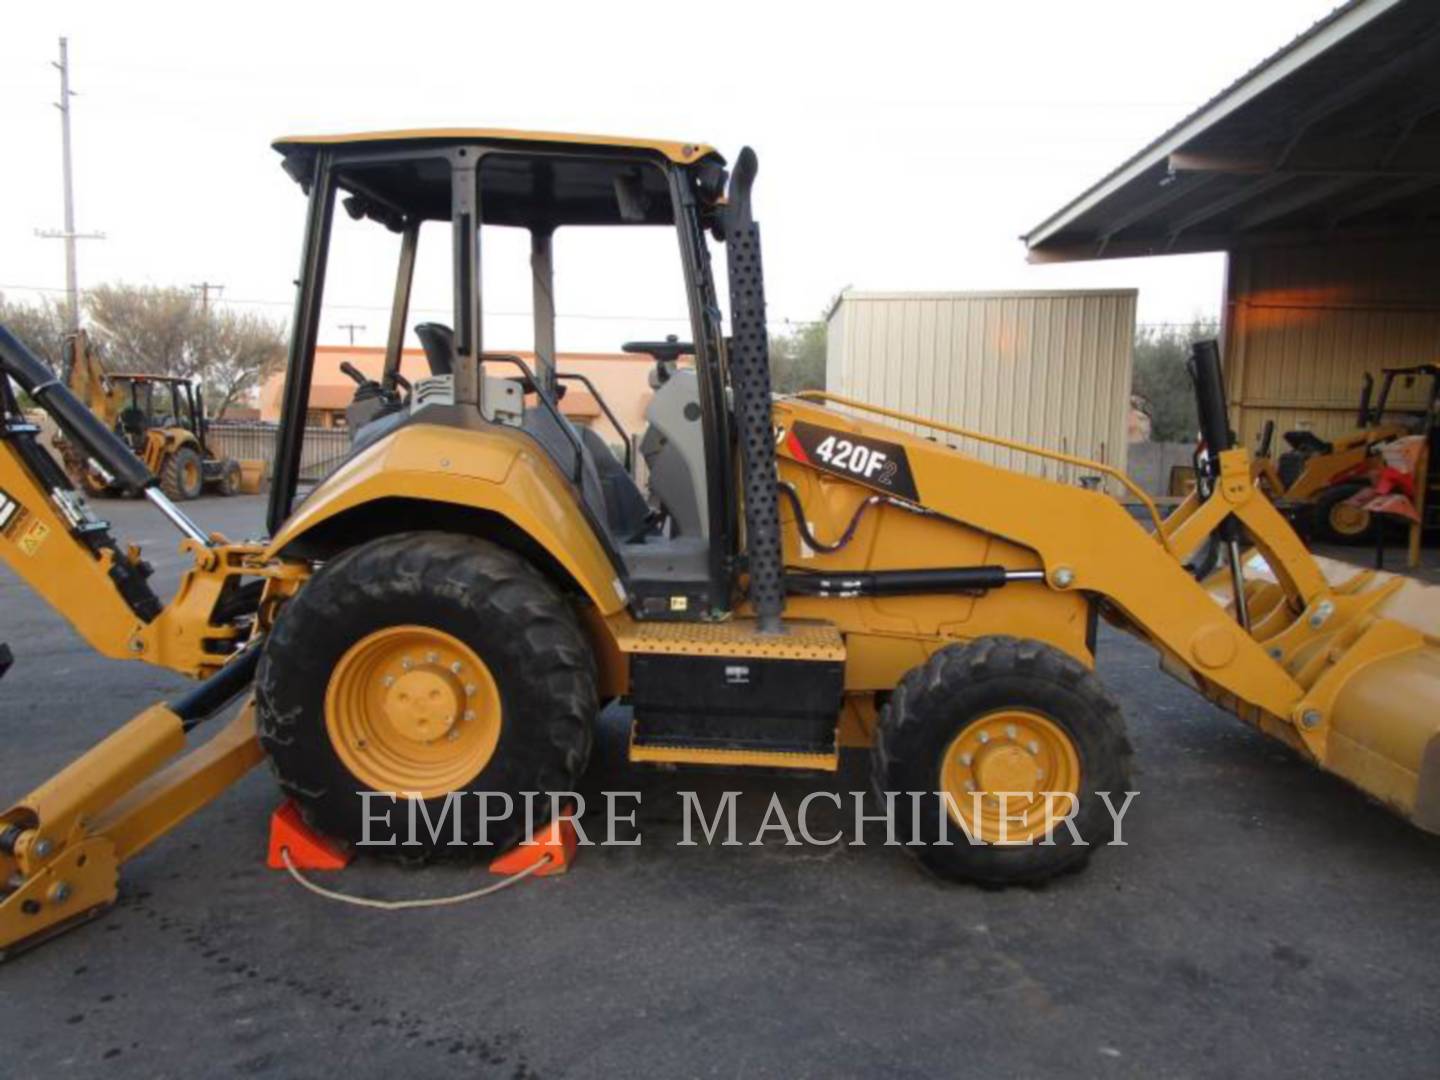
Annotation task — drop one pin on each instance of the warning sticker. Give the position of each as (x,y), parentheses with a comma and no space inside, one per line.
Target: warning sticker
(34,537)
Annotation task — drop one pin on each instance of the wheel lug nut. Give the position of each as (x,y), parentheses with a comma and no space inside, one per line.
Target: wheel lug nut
(984,737)
(406,663)
(431,657)
(469,689)
(457,667)
(453,735)
(969,785)
(389,680)
(469,714)
(1010,731)
(1035,747)
(965,759)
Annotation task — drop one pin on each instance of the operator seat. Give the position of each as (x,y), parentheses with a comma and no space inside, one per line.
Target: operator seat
(132,425)
(438,341)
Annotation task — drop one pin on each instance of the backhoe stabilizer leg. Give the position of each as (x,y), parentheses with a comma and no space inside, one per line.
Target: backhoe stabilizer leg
(62,846)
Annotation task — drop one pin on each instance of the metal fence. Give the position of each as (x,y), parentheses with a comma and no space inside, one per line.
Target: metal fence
(321,451)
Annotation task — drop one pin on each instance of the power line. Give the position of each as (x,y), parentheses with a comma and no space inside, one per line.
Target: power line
(68,234)
(352,327)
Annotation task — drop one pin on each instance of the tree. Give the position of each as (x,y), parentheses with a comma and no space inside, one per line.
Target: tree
(1160,382)
(41,327)
(169,332)
(143,328)
(797,359)
(241,350)
(162,331)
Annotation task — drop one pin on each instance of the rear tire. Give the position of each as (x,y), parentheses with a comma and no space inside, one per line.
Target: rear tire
(982,685)
(487,599)
(182,474)
(1334,521)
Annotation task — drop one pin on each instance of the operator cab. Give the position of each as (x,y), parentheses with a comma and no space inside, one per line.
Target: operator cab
(657,497)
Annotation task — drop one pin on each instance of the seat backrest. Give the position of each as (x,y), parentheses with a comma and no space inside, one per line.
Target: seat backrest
(438,340)
(627,514)
(133,421)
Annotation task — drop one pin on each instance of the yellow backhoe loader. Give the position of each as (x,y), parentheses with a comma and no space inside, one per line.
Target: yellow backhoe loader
(160,417)
(448,609)
(1317,477)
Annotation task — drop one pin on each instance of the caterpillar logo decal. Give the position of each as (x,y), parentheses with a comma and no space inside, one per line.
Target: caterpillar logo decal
(874,462)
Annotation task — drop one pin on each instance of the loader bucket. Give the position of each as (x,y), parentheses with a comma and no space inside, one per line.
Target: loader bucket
(1382,729)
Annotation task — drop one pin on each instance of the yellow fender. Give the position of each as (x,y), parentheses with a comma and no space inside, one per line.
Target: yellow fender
(497,470)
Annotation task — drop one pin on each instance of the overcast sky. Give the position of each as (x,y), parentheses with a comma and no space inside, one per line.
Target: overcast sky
(902,145)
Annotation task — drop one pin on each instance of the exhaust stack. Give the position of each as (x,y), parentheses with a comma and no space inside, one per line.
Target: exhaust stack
(750,379)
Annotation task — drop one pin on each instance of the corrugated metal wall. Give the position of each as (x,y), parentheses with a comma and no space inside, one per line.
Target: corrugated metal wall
(1048,368)
(1303,324)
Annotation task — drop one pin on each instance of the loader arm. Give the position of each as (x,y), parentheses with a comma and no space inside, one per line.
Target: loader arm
(1312,661)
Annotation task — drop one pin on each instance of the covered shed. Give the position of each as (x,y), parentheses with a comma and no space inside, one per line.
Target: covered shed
(1318,174)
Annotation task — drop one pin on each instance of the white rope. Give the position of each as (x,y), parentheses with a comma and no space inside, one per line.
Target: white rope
(402,905)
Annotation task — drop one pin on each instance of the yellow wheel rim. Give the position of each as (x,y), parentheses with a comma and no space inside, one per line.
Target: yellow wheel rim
(192,474)
(1348,520)
(1017,752)
(413,709)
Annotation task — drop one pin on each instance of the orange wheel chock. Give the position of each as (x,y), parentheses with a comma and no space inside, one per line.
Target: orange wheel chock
(557,840)
(308,849)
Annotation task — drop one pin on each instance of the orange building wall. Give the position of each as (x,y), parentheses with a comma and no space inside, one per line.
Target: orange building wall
(622,379)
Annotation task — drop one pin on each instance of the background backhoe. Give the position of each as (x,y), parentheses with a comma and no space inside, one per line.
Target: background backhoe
(1319,477)
(450,607)
(160,417)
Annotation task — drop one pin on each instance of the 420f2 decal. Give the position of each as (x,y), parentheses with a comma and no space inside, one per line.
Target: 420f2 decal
(874,462)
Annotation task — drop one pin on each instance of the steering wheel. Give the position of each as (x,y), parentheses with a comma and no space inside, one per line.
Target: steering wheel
(666,353)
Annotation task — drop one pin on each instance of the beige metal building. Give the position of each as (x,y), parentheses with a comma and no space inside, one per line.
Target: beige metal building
(1318,173)
(1050,368)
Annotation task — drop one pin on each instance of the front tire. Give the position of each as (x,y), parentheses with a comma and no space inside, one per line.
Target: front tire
(182,475)
(428,663)
(229,483)
(1011,715)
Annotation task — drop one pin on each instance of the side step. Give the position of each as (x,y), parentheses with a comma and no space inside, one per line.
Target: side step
(725,694)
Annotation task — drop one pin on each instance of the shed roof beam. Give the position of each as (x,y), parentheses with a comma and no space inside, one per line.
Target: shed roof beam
(1377,156)
(1391,193)
(1177,188)
(1216,207)
(1353,90)
(1306,193)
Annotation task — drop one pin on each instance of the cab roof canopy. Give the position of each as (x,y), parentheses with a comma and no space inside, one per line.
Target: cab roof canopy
(536,179)
(1336,134)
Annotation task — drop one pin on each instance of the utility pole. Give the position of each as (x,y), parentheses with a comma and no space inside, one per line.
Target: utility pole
(352,327)
(69,235)
(205,288)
